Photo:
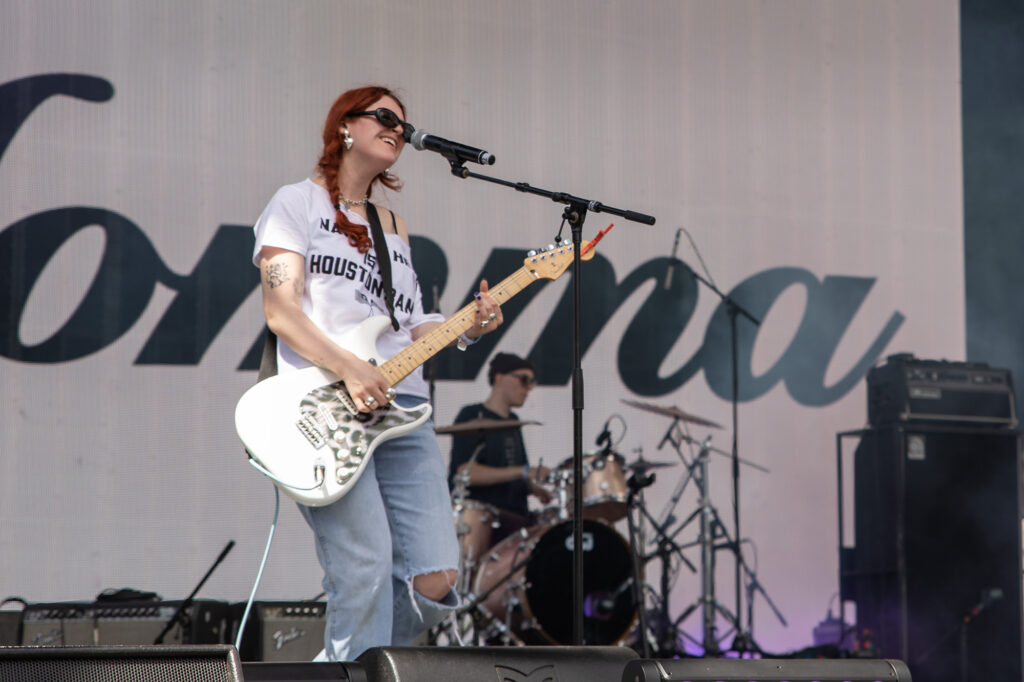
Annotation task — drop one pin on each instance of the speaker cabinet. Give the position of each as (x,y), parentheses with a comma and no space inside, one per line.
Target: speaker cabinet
(212,663)
(123,623)
(765,670)
(508,664)
(936,568)
(10,628)
(282,631)
(302,672)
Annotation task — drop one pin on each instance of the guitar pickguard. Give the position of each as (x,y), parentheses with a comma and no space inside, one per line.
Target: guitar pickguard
(330,419)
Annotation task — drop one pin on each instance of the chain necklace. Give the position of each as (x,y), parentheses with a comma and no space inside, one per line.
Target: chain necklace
(349,203)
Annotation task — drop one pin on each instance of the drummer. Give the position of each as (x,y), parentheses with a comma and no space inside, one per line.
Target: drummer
(499,473)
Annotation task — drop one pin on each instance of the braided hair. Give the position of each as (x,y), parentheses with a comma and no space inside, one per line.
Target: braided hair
(357,99)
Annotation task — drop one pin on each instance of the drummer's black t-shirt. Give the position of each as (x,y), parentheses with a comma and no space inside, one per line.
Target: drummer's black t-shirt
(500,449)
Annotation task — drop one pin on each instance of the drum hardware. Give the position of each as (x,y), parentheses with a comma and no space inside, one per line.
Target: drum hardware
(642,465)
(679,435)
(491,627)
(639,480)
(664,630)
(710,534)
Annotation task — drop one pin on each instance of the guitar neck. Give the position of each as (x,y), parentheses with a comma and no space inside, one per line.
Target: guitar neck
(405,363)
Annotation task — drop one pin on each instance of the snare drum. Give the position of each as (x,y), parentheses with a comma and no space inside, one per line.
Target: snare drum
(529,580)
(604,486)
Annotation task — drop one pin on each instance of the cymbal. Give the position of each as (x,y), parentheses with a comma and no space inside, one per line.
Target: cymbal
(641,464)
(673,412)
(482,426)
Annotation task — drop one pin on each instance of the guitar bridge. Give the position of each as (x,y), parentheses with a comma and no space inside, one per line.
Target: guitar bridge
(309,428)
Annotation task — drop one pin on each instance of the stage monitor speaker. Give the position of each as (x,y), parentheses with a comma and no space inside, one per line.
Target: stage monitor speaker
(765,670)
(211,663)
(508,664)
(936,567)
(282,631)
(302,672)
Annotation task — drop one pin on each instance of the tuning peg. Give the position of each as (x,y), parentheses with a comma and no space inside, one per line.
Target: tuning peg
(531,253)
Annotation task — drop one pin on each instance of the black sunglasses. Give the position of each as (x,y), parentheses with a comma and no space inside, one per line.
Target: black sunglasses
(525,379)
(388,119)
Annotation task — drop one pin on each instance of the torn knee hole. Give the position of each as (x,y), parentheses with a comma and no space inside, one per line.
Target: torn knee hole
(435,586)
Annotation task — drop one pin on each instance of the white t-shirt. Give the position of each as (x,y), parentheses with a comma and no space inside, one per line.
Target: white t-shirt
(343,287)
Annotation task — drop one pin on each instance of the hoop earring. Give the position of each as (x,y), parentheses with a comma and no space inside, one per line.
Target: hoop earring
(346,139)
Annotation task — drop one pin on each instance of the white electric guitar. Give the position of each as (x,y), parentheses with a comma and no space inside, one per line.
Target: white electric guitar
(302,428)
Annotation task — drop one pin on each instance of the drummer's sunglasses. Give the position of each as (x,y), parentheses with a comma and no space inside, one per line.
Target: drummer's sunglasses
(525,379)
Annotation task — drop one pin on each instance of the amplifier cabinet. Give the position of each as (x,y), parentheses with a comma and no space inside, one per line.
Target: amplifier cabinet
(123,623)
(288,631)
(906,389)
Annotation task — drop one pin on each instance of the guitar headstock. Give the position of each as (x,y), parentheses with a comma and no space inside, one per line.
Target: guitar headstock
(552,261)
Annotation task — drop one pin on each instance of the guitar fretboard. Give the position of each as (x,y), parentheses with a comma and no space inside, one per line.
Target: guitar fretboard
(424,348)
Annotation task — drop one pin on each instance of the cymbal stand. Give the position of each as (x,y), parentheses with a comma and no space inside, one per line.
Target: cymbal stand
(676,436)
(636,483)
(664,630)
(711,529)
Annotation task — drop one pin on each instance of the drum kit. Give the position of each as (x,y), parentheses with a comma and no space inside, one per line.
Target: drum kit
(515,578)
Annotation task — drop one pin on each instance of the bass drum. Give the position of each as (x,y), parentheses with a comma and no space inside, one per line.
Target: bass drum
(529,576)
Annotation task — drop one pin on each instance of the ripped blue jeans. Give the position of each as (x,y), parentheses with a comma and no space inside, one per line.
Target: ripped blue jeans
(395,523)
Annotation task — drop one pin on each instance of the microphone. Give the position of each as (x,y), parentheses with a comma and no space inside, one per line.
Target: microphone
(606,435)
(453,151)
(671,263)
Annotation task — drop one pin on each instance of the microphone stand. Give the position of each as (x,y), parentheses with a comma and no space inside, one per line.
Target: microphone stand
(743,642)
(188,600)
(574,213)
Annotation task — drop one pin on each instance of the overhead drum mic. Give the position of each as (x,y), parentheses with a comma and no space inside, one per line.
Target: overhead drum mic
(453,151)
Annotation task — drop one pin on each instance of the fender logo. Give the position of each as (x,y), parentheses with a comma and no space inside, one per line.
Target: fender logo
(282,637)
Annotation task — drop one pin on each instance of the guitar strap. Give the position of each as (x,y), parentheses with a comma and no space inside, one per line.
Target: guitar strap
(380,246)
(268,361)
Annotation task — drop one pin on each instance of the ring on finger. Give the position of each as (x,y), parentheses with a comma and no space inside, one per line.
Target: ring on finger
(492,316)
(390,394)
(369,401)
(484,323)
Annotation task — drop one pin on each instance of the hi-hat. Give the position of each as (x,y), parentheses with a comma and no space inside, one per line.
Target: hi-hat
(641,464)
(483,426)
(673,412)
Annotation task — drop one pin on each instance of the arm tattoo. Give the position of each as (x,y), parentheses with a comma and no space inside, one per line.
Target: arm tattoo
(276,274)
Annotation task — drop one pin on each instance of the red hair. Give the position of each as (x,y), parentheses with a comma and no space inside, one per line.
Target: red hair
(357,99)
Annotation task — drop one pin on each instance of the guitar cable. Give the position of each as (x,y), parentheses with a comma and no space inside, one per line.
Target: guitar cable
(319,473)
(259,573)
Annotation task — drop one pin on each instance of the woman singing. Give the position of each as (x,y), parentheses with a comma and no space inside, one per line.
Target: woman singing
(388,547)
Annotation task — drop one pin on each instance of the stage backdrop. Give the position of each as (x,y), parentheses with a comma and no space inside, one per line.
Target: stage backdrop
(806,156)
